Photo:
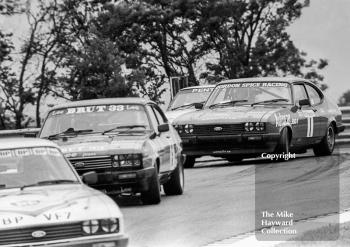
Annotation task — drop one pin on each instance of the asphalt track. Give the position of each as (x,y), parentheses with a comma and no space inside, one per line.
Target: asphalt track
(219,199)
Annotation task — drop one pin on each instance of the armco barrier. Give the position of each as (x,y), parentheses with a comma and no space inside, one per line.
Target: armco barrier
(343,138)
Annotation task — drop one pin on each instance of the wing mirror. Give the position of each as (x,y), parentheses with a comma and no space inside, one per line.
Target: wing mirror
(90,178)
(163,127)
(304,102)
(198,106)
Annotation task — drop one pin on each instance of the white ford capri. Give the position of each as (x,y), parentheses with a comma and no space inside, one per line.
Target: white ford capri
(43,202)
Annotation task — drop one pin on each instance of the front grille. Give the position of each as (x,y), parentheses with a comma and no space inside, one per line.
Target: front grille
(92,163)
(55,232)
(219,129)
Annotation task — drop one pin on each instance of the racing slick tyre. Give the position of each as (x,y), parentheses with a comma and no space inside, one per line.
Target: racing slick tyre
(189,162)
(176,184)
(152,195)
(283,144)
(326,146)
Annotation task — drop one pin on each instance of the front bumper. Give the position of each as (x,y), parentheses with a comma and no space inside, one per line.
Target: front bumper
(94,241)
(243,144)
(116,182)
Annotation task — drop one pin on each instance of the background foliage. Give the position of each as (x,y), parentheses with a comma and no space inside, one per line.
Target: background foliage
(83,49)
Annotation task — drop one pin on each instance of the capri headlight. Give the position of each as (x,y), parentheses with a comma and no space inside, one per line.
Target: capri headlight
(249,126)
(188,128)
(254,126)
(110,225)
(127,160)
(179,128)
(260,126)
(90,226)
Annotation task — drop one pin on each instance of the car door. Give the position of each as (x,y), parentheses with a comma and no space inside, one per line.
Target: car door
(303,131)
(166,152)
(320,120)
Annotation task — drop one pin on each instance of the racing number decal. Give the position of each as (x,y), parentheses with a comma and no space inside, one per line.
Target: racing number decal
(172,155)
(309,115)
(310,126)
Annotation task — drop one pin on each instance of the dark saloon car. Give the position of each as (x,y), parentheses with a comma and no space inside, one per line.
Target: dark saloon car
(249,117)
(126,141)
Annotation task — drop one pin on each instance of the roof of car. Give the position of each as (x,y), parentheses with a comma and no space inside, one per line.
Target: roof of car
(105,101)
(196,87)
(18,142)
(265,79)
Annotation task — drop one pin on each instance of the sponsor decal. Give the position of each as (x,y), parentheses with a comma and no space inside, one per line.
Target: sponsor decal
(29,152)
(70,155)
(10,220)
(43,209)
(26,203)
(87,154)
(57,216)
(285,119)
(202,90)
(73,151)
(253,84)
(222,152)
(96,108)
(235,115)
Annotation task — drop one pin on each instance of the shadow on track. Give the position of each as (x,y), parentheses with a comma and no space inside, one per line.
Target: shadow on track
(247,162)
(133,201)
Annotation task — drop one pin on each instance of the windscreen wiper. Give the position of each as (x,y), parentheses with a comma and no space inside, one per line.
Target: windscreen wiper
(269,101)
(124,127)
(188,105)
(48,182)
(231,102)
(68,131)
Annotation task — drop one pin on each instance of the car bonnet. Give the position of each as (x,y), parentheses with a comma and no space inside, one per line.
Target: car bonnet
(172,115)
(54,204)
(227,115)
(101,145)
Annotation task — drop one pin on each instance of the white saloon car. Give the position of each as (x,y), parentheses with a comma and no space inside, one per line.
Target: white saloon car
(186,99)
(43,202)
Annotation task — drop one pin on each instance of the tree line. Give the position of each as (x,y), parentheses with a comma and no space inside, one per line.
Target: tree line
(83,49)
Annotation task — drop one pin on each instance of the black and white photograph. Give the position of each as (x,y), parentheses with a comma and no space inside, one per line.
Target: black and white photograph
(174,123)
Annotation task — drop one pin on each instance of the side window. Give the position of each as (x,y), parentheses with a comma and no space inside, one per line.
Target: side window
(315,97)
(152,116)
(299,92)
(160,117)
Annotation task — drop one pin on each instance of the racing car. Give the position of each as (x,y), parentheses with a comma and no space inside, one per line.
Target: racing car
(128,142)
(249,117)
(43,201)
(186,99)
